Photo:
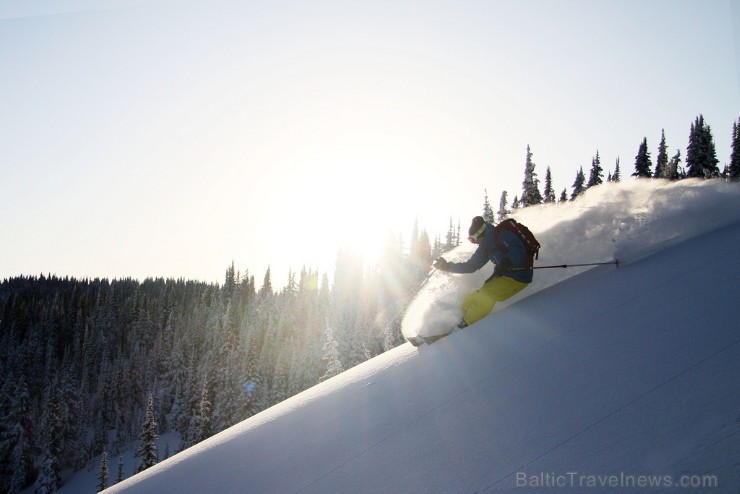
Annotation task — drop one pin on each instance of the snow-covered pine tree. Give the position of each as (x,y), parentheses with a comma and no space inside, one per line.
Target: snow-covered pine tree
(673,168)
(103,472)
(119,474)
(661,162)
(49,477)
(643,163)
(578,184)
(450,241)
(734,168)
(266,289)
(530,186)
(487,210)
(563,196)
(199,428)
(16,445)
(596,177)
(701,154)
(331,355)
(147,451)
(502,211)
(549,191)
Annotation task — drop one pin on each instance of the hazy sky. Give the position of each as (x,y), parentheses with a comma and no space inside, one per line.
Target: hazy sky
(147,138)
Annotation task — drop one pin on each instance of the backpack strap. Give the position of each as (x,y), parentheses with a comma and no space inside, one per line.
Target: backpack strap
(505,224)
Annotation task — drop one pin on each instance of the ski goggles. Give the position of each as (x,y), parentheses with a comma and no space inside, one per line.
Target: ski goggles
(473,239)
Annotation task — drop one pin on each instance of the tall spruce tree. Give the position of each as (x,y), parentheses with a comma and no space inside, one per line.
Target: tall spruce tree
(103,472)
(578,184)
(661,162)
(502,211)
(331,355)
(16,438)
(147,452)
(643,163)
(734,168)
(596,176)
(673,168)
(200,421)
(530,186)
(266,289)
(487,210)
(450,239)
(617,176)
(701,154)
(49,478)
(549,191)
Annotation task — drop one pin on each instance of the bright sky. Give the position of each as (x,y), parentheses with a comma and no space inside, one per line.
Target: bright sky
(146,138)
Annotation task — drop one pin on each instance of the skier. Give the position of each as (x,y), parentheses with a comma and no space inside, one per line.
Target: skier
(513,271)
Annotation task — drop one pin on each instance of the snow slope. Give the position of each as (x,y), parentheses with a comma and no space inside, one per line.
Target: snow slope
(603,377)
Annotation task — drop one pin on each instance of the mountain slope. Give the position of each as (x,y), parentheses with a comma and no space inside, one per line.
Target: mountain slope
(630,371)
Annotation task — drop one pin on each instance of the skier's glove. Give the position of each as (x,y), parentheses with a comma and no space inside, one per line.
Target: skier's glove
(502,268)
(441,264)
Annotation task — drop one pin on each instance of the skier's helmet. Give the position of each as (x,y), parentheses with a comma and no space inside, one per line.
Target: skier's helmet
(477,229)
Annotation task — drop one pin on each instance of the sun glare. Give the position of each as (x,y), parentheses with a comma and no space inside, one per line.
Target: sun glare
(358,198)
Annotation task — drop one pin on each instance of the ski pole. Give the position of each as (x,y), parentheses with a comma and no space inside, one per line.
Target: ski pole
(565,266)
(426,280)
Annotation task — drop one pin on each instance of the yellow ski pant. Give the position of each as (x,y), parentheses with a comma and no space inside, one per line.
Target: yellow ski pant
(480,303)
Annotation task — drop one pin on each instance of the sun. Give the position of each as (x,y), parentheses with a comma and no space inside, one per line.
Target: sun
(357,199)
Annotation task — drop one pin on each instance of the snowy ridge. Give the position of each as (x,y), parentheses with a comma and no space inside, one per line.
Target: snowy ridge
(614,375)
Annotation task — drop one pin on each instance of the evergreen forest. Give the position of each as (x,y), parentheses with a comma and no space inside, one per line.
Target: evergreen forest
(89,365)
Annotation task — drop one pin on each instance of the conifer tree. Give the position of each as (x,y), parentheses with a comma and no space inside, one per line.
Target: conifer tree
(199,428)
(661,162)
(564,196)
(49,477)
(48,480)
(15,433)
(596,176)
(487,210)
(672,171)
(643,163)
(103,472)
(147,452)
(701,154)
(734,168)
(578,184)
(119,476)
(450,239)
(617,176)
(266,289)
(549,191)
(502,211)
(530,186)
(331,355)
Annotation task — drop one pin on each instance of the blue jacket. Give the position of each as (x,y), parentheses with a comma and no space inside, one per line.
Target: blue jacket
(488,251)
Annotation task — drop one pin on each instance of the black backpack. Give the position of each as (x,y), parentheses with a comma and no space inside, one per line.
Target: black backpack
(524,234)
